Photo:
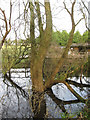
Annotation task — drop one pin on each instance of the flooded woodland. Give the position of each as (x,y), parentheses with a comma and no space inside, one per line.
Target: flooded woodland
(56,102)
(44,67)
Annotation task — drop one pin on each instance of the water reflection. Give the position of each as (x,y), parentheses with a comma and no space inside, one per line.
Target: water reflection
(15,103)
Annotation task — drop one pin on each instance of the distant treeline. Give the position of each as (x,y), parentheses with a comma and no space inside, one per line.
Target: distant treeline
(16,53)
(62,37)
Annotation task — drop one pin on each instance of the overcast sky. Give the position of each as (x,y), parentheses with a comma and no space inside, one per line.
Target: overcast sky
(61,19)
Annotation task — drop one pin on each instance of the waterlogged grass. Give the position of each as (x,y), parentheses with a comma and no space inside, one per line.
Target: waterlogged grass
(82,114)
(79,115)
(66,115)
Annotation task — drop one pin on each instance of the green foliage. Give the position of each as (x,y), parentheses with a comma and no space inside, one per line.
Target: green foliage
(81,114)
(66,115)
(77,37)
(85,37)
(7,57)
(14,54)
(62,37)
(65,37)
(56,36)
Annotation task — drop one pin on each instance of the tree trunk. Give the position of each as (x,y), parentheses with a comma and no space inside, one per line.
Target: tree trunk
(38,105)
(38,54)
(36,76)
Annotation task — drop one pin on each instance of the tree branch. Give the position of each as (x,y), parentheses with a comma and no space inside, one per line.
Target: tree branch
(56,100)
(74,92)
(66,8)
(65,53)
(59,101)
(79,21)
(39,17)
(85,6)
(77,84)
(6,24)
(24,93)
(73,4)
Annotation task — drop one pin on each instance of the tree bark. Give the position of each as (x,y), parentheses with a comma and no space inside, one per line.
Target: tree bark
(38,55)
(37,58)
(36,66)
(74,92)
(65,54)
(38,105)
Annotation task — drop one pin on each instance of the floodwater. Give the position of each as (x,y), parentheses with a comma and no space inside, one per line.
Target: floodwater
(14,103)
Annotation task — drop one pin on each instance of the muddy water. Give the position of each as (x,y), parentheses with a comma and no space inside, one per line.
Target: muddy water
(15,104)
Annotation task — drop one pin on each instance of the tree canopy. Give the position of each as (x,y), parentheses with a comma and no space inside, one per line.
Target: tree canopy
(61,38)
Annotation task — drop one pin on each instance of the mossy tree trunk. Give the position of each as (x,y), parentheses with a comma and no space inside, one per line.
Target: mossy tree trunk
(38,53)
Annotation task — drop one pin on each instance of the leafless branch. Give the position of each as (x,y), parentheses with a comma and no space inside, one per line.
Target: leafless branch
(84,14)
(73,4)
(1,32)
(85,6)
(84,17)
(5,19)
(66,8)
(79,21)
(6,24)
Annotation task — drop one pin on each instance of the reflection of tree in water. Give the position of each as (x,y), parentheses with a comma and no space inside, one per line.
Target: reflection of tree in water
(18,97)
(14,103)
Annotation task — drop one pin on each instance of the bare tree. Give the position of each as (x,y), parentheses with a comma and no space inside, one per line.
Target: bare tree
(40,49)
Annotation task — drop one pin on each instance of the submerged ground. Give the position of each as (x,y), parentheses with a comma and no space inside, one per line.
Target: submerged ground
(14,103)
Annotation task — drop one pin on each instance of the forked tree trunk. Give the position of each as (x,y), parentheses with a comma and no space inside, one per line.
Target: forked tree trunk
(38,55)
(37,58)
